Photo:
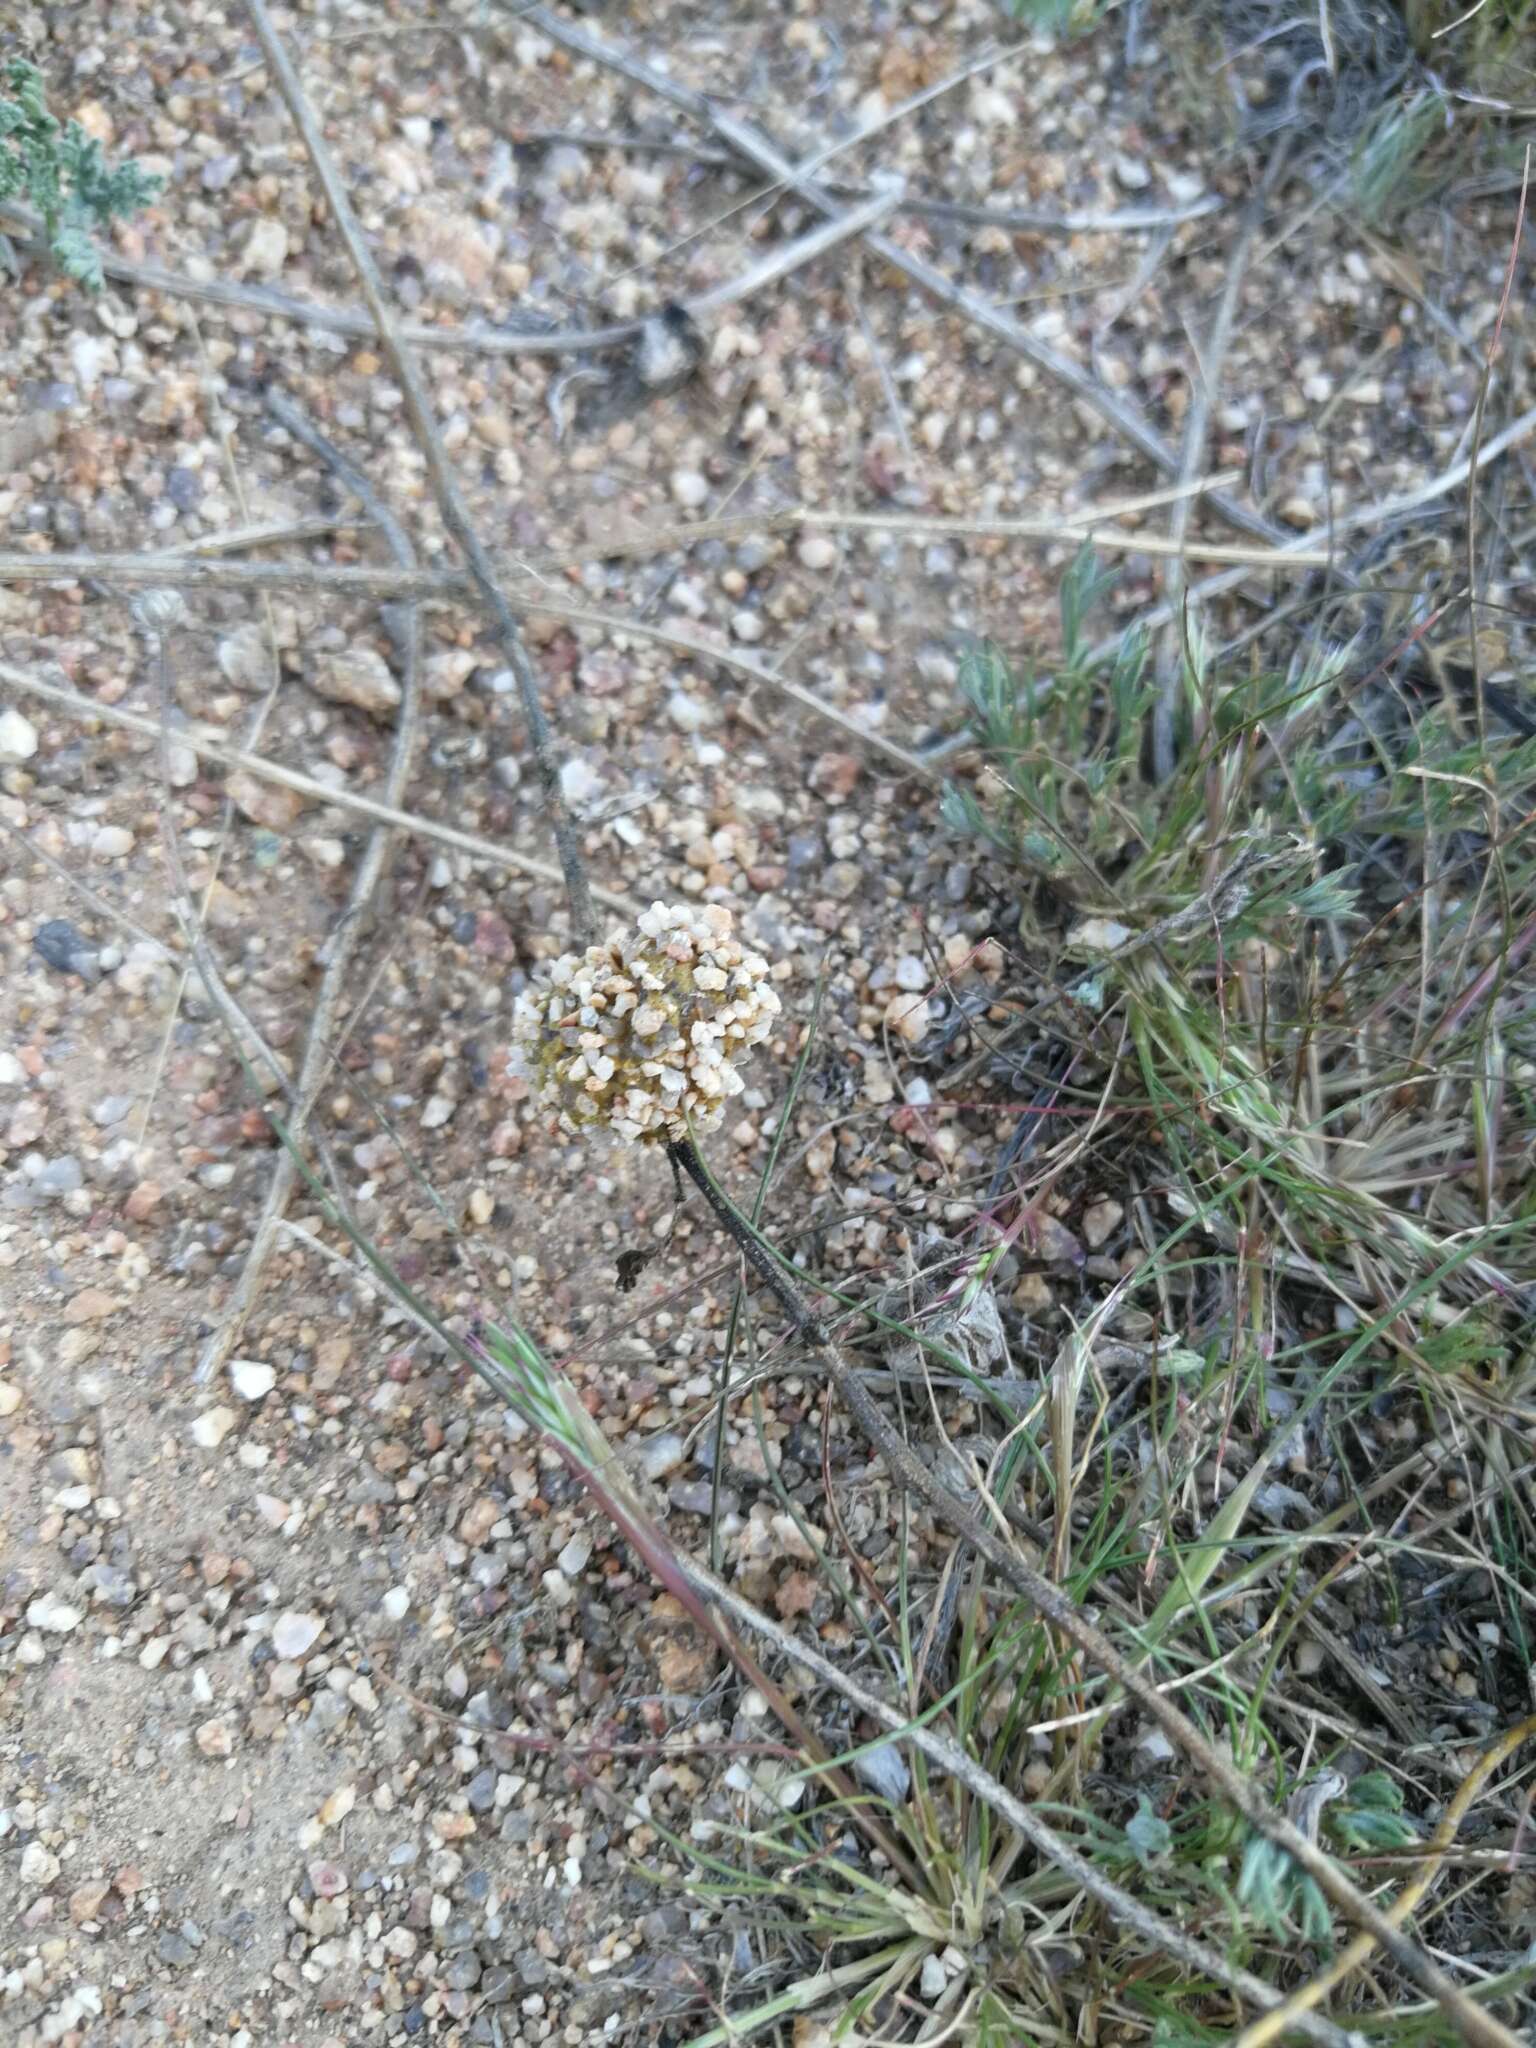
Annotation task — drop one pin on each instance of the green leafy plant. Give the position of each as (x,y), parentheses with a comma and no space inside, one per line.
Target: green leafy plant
(64,174)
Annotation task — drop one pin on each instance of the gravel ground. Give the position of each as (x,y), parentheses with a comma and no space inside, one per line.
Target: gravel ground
(220,1814)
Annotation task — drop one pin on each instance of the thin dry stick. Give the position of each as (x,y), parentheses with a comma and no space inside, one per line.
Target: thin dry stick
(756,148)
(215,747)
(446,491)
(318,1047)
(1361,520)
(354,323)
(445,584)
(791,256)
(1196,430)
(108,912)
(1071,528)
(1275,2023)
(160,612)
(1053,1605)
(959,1764)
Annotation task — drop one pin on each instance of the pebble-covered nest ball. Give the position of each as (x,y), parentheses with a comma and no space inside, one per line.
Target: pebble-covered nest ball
(642,1034)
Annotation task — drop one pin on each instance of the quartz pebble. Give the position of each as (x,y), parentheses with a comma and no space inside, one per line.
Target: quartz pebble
(295,1635)
(18,736)
(54,1615)
(251,1379)
(212,1426)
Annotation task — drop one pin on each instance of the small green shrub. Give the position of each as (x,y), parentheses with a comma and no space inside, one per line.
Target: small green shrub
(63,173)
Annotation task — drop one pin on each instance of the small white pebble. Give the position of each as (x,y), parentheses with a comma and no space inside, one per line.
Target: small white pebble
(573,1559)
(18,736)
(689,488)
(252,1380)
(293,1635)
(53,1614)
(212,1426)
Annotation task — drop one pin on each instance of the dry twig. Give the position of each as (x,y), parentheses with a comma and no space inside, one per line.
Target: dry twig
(215,747)
(755,147)
(450,503)
(318,1049)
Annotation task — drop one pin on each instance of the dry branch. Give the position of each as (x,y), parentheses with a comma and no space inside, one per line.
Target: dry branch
(446,491)
(216,747)
(318,1046)
(755,147)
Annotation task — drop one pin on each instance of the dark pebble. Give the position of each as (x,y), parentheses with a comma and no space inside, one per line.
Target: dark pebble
(184,488)
(481,1791)
(463,1973)
(175,1949)
(498,1984)
(66,950)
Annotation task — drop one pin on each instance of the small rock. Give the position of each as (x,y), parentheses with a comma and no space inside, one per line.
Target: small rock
(175,1949)
(12,1073)
(396,1603)
(110,1110)
(932,1979)
(817,551)
(39,1866)
(215,1738)
(689,714)
(580,784)
(252,1380)
(18,736)
(90,1305)
(143,1201)
(1133,173)
(264,803)
(245,657)
(660,1455)
(218,172)
(10,1398)
(747,625)
(834,776)
(295,1635)
(53,1614)
(59,1177)
(212,1426)
(1101,1220)
(111,842)
(689,488)
(65,949)
(478,1520)
(574,1557)
(85,1901)
(911,974)
(266,248)
(329,1879)
(885,1771)
(907,1017)
(359,676)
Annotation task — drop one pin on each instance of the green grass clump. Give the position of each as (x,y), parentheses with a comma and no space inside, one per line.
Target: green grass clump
(1305,1059)
(64,174)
